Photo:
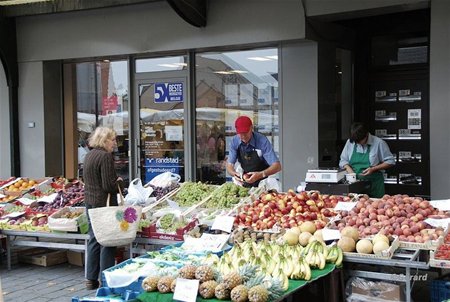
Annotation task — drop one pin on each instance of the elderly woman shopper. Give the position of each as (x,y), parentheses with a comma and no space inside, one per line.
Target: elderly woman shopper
(100,180)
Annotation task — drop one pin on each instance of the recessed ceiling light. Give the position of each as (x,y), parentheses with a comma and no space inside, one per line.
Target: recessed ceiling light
(238,71)
(168,65)
(258,59)
(223,72)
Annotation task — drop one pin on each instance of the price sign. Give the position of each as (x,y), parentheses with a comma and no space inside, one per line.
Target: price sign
(442,205)
(223,223)
(2,196)
(329,234)
(25,201)
(186,290)
(48,198)
(344,206)
(438,222)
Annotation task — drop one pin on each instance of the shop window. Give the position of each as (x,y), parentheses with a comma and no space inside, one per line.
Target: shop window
(230,84)
(101,99)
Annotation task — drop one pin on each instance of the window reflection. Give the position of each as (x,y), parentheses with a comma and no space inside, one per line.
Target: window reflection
(102,100)
(230,84)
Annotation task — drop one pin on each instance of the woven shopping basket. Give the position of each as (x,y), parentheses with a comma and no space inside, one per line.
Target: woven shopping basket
(115,225)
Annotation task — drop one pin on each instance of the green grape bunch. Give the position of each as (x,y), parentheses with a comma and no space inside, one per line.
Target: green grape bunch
(227,196)
(192,193)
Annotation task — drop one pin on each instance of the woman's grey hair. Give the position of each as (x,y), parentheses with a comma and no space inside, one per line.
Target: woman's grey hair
(98,138)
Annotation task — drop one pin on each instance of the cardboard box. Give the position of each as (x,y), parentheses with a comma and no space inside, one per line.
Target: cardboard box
(75,258)
(43,257)
(368,290)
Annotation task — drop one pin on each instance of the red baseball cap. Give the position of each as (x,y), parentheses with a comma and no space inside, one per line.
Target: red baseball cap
(243,124)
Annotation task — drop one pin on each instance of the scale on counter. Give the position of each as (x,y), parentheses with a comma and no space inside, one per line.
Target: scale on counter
(327,175)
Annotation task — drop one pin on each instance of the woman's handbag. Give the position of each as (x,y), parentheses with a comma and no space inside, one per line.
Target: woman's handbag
(115,225)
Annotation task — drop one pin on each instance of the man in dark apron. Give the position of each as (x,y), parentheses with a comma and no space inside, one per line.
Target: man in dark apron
(254,153)
(367,156)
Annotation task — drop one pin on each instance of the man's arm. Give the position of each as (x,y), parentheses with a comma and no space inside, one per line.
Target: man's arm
(272,169)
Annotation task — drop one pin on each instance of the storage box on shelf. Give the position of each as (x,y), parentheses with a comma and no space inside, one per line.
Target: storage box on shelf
(43,257)
(439,290)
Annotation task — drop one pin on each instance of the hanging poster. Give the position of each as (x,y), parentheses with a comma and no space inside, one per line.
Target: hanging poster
(264,94)
(246,95)
(174,133)
(231,95)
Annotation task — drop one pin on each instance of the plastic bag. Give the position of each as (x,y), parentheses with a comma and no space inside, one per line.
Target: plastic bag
(137,194)
(366,290)
(164,180)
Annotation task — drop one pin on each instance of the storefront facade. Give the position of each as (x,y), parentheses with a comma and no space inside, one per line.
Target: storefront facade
(58,53)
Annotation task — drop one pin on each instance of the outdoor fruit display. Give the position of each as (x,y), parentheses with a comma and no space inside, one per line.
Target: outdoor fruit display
(160,192)
(226,196)
(284,210)
(191,193)
(399,215)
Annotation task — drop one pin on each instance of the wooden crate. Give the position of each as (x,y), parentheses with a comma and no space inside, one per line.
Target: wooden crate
(43,257)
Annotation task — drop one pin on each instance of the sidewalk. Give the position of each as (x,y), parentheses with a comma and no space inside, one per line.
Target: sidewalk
(27,282)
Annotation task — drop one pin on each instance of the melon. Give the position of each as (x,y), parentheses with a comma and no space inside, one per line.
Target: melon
(364,246)
(295,230)
(290,238)
(378,237)
(303,238)
(351,232)
(380,246)
(318,235)
(347,244)
(308,226)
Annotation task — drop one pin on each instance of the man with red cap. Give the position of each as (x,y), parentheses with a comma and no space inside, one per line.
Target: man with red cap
(254,152)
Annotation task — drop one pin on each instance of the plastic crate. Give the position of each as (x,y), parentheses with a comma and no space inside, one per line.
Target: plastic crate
(134,286)
(440,290)
(106,294)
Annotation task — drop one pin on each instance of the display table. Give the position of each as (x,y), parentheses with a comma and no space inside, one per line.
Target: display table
(294,285)
(59,241)
(361,187)
(406,259)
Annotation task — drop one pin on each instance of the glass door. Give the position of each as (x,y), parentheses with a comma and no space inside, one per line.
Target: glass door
(161,126)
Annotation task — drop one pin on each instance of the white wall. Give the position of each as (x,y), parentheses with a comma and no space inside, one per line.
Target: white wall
(299,117)
(155,27)
(440,99)
(5,151)
(31,104)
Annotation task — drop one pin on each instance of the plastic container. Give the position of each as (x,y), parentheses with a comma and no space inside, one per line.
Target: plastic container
(133,287)
(107,294)
(440,290)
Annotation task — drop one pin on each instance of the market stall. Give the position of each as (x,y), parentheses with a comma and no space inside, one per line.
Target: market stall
(291,237)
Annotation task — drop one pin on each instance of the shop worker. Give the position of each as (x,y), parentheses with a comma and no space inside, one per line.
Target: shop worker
(367,156)
(254,152)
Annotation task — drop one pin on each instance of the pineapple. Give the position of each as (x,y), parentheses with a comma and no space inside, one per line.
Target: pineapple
(204,273)
(231,280)
(150,283)
(187,271)
(239,293)
(164,284)
(207,288)
(173,285)
(258,293)
(222,292)
(275,288)
(247,271)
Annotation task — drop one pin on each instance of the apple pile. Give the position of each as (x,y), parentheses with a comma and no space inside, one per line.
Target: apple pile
(399,215)
(285,210)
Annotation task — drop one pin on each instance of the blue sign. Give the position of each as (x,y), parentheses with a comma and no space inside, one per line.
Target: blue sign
(168,92)
(156,166)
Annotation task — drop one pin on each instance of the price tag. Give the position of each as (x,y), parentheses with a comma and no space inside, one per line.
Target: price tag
(344,206)
(26,201)
(14,214)
(442,205)
(208,242)
(329,234)
(186,290)
(2,196)
(49,198)
(223,223)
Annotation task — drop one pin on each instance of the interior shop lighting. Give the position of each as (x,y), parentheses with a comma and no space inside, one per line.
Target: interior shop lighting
(261,59)
(272,57)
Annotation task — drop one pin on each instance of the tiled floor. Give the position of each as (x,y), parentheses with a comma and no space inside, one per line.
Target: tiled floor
(27,282)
